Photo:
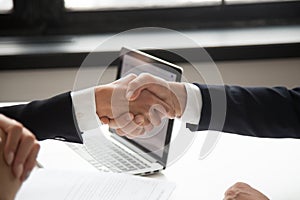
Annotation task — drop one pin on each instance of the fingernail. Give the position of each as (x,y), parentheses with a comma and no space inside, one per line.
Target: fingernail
(19,170)
(129,94)
(139,120)
(10,158)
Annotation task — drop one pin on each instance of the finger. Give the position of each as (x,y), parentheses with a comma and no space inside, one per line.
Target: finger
(105,120)
(120,132)
(26,144)
(229,198)
(14,133)
(137,132)
(136,86)
(230,191)
(148,127)
(129,128)
(6,122)
(121,121)
(139,119)
(134,94)
(154,117)
(2,140)
(31,161)
(12,129)
(134,89)
(161,110)
(164,109)
(234,189)
(125,80)
(143,81)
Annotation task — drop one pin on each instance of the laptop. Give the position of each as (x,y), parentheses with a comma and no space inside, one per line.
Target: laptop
(145,154)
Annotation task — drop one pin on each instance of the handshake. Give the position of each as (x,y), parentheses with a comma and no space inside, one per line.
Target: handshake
(134,104)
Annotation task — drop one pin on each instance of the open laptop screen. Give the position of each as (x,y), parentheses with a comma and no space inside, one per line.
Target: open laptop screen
(157,141)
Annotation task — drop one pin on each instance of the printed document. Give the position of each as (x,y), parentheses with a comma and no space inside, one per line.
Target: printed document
(67,185)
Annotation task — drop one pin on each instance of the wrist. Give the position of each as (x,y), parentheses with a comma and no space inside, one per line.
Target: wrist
(103,96)
(179,98)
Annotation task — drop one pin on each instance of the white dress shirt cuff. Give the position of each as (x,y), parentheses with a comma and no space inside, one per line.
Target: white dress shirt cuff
(193,106)
(85,109)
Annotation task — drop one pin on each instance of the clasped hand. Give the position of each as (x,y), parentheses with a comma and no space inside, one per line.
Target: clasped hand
(18,152)
(134,104)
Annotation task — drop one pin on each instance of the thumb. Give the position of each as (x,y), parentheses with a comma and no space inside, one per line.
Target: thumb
(127,79)
(135,88)
(133,95)
(105,120)
(2,140)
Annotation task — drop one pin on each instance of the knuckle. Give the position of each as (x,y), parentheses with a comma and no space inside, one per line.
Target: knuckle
(29,166)
(149,77)
(146,75)
(16,123)
(229,192)
(240,185)
(131,76)
(133,84)
(29,133)
(34,152)
(16,127)
(29,139)
(37,146)
(19,160)
(120,132)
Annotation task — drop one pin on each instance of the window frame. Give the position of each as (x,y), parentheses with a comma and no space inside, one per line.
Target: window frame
(191,18)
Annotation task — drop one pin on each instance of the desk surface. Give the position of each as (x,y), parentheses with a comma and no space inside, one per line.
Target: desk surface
(270,165)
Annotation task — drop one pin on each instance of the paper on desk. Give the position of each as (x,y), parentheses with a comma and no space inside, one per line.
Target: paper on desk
(66,185)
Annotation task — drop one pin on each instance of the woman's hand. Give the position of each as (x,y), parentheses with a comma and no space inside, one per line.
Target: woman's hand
(20,148)
(9,184)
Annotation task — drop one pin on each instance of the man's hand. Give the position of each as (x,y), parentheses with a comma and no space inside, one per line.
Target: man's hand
(112,106)
(172,93)
(243,191)
(8,182)
(21,147)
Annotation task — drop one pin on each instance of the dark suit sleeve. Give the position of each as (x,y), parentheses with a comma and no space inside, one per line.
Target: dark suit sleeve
(261,112)
(47,119)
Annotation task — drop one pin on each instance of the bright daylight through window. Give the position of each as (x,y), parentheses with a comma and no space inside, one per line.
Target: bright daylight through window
(140,4)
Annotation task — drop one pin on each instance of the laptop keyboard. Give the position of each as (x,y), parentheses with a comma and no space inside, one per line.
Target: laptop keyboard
(107,156)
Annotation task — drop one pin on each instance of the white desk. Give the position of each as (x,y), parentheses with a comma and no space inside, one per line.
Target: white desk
(270,165)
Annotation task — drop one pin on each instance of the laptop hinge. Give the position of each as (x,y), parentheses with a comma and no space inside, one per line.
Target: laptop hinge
(132,147)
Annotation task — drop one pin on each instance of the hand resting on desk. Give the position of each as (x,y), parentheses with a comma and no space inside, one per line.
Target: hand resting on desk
(9,184)
(18,152)
(243,191)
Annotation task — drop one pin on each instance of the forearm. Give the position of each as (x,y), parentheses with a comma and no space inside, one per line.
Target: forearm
(47,119)
(179,96)
(260,112)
